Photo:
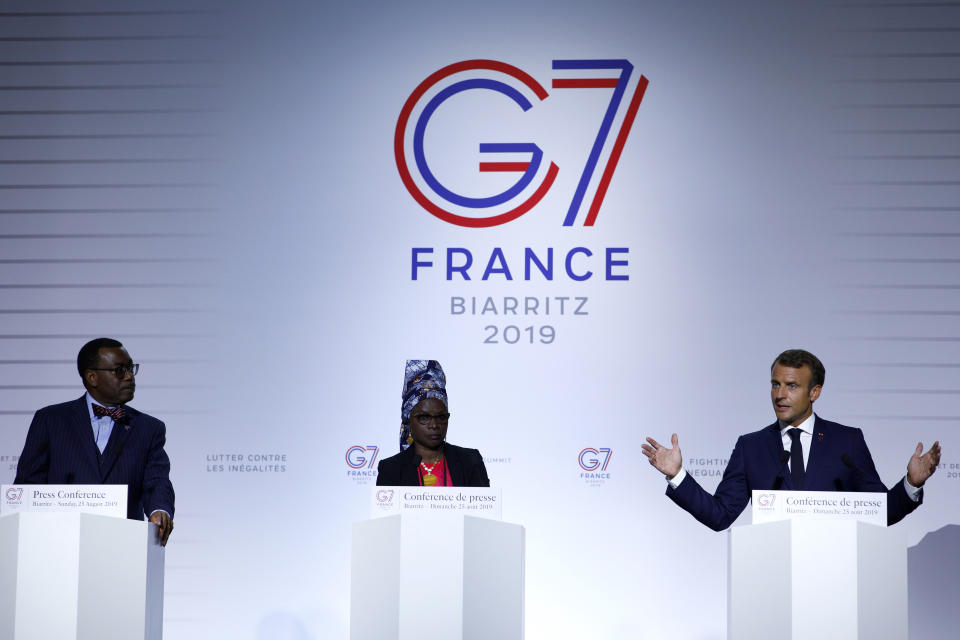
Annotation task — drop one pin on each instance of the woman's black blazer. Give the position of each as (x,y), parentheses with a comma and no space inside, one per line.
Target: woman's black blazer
(465,467)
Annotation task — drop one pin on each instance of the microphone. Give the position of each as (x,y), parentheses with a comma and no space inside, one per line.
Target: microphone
(778,480)
(850,464)
(70,477)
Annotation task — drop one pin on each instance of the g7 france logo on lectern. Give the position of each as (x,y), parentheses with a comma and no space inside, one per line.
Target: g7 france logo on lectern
(476,79)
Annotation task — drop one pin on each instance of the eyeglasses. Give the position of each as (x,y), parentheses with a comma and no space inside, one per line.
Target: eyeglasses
(423,419)
(122,370)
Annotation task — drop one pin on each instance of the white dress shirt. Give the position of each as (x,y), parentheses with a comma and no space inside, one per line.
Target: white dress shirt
(102,427)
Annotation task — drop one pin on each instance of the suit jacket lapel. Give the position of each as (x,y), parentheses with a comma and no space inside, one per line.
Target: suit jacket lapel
(819,444)
(80,422)
(118,438)
(775,445)
(454,466)
(408,470)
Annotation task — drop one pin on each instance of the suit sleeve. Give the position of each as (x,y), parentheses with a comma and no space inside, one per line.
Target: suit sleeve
(899,504)
(717,511)
(34,464)
(157,489)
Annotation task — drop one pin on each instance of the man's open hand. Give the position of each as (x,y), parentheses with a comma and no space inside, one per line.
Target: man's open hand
(922,467)
(666,461)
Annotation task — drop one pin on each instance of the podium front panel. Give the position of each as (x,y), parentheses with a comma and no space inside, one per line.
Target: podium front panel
(9,539)
(47,575)
(817,579)
(493,579)
(758,580)
(106,575)
(882,585)
(74,576)
(375,580)
(444,575)
(824,579)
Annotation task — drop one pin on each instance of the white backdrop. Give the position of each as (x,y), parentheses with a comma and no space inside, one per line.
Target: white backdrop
(217,187)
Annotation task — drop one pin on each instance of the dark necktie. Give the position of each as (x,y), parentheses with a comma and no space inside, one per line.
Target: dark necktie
(796,459)
(116,413)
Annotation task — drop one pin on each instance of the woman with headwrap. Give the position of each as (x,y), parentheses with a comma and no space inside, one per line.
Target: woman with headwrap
(426,458)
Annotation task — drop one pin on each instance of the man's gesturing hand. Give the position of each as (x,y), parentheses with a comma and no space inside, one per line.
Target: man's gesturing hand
(921,467)
(666,461)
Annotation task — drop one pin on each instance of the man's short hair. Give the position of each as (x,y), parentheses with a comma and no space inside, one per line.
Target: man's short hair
(89,356)
(796,358)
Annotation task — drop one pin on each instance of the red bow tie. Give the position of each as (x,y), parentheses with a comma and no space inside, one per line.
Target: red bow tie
(115,413)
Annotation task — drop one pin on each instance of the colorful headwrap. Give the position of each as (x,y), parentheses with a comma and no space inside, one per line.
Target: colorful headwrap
(422,379)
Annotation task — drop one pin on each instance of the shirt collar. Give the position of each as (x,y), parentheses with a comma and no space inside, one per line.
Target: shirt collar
(90,403)
(806,426)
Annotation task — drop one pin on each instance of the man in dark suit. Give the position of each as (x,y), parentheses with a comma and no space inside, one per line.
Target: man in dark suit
(799,451)
(98,439)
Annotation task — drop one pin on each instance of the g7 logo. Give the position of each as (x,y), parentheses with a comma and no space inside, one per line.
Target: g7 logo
(356,458)
(529,169)
(590,463)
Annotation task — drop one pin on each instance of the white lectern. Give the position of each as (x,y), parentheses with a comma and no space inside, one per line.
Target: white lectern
(437,575)
(77,576)
(815,579)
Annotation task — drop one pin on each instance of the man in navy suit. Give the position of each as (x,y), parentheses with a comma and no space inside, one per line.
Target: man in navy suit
(799,451)
(98,439)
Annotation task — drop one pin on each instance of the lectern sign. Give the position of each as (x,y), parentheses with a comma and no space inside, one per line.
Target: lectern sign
(769,506)
(468,501)
(101,499)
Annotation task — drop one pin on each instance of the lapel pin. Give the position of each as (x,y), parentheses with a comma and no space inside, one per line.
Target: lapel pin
(820,436)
